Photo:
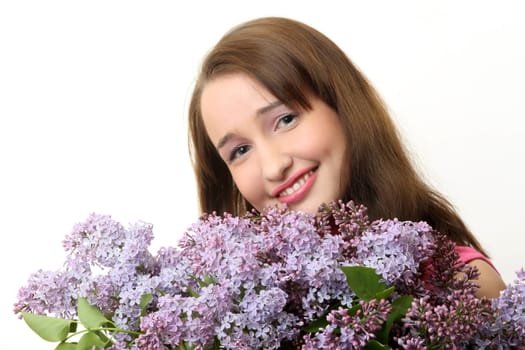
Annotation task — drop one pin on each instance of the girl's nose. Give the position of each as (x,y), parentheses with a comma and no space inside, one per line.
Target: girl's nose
(275,163)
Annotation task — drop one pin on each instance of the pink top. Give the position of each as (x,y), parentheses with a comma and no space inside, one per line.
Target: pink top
(467,254)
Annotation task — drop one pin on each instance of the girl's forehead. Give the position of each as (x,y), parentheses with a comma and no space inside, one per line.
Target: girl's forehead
(239,85)
(236,80)
(229,99)
(234,92)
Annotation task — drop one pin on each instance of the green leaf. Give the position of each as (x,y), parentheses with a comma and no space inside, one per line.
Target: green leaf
(73,327)
(353,310)
(91,316)
(400,307)
(189,346)
(103,336)
(375,345)
(316,325)
(216,344)
(206,281)
(66,346)
(145,299)
(90,340)
(48,328)
(192,293)
(321,321)
(364,281)
(384,293)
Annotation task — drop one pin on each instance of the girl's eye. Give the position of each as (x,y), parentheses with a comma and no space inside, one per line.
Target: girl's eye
(286,120)
(237,152)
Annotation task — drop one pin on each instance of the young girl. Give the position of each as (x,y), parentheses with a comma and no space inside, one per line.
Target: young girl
(280,115)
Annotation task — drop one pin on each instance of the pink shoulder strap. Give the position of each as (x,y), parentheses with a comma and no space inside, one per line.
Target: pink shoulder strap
(467,254)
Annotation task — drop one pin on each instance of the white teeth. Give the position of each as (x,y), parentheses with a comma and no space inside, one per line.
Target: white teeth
(296,185)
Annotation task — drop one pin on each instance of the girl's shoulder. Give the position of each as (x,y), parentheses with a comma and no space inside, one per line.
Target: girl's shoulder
(489,281)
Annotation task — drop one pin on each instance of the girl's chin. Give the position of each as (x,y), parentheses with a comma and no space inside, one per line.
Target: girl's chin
(309,208)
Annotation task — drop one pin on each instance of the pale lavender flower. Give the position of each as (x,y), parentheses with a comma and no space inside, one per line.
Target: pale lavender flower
(98,240)
(254,282)
(507,329)
(49,292)
(174,271)
(186,319)
(260,323)
(395,249)
(223,248)
(302,263)
(128,313)
(347,331)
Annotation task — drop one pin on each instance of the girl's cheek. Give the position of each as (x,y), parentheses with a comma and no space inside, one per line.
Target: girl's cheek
(246,179)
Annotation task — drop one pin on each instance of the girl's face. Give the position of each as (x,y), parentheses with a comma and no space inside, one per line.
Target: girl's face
(276,154)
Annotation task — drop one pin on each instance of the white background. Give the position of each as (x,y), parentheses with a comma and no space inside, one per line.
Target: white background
(93,100)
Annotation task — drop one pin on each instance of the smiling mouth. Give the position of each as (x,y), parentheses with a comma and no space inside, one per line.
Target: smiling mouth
(297,185)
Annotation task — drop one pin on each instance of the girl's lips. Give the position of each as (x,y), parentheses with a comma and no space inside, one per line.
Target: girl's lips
(295,190)
(291,181)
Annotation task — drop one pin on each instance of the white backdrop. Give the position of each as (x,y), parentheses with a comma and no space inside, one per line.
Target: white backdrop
(93,100)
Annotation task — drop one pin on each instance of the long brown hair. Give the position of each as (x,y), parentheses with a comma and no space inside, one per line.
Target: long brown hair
(292,60)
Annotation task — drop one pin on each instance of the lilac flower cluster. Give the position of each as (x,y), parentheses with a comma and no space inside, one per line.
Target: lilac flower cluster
(272,273)
(394,249)
(258,282)
(106,263)
(347,331)
(507,328)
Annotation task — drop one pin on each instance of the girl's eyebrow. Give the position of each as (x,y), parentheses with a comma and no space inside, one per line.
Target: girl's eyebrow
(261,111)
(268,108)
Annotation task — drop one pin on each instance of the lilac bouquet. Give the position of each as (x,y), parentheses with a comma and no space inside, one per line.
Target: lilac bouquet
(279,279)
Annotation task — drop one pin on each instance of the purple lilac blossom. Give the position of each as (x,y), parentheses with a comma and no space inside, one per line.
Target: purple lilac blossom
(188,319)
(254,282)
(507,330)
(303,263)
(446,314)
(284,254)
(51,293)
(347,331)
(395,249)
(450,325)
